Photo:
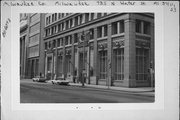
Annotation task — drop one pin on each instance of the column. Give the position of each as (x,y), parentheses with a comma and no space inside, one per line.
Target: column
(72,57)
(88,61)
(109,59)
(63,59)
(56,59)
(96,74)
(45,65)
(130,53)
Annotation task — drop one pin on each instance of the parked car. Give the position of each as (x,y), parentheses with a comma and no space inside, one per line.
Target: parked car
(39,79)
(60,82)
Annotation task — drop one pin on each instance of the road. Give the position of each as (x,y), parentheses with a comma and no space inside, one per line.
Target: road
(35,92)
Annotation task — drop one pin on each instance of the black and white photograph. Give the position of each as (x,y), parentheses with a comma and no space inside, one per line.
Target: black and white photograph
(87,58)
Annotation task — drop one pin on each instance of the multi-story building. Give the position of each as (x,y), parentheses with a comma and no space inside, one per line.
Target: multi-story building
(30,44)
(23,43)
(119,48)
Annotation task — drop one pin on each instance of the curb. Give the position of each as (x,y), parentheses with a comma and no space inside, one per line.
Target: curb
(142,93)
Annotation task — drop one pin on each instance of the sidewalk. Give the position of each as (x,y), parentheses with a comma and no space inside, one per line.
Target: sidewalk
(146,91)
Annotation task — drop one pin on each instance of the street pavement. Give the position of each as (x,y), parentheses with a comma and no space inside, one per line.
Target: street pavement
(36,92)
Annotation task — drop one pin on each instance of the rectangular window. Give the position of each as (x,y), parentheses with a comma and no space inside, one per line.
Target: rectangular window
(45,46)
(52,17)
(92,16)
(34,28)
(49,64)
(138,26)
(103,64)
(34,40)
(46,32)
(55,16)
(59,15)
(86,17)
(59,65)
(99,32)
(105,30)
(34,17)
(71,23)
(76,21)
(98,15)
(91,33)
(75,38)
(122,26)
(66,40)
(58,42)
(34,51)
(62,41)
(118,64)
(47,20)
(147,28)
(141,64)
(114,28)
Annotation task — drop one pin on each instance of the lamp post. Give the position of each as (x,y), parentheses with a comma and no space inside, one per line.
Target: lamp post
(84,38)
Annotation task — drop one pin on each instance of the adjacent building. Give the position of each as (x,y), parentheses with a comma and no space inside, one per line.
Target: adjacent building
(112,49)
(31,31)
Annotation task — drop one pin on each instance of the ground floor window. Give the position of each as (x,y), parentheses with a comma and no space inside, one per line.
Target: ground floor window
(103,64)
(33,69)
(141,63)
(118,64)
(49,64)
(68,63)
(59,66)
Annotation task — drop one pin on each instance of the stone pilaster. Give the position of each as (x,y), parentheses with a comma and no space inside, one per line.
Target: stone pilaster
(96,74)
(64,56)
(72,57)
(109,57)
(130,53)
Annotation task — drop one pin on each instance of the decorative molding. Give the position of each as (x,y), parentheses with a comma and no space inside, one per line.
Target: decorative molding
(102,45)
(142,44)
(142,37)
(118,44)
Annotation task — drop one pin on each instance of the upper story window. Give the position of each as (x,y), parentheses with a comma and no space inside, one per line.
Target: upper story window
(76,38)
(58,42)
(121,26)
(138,26)
(34,17)
(147,27)
(91,33)
(143,27)
(76,20)
(55,16)
(99,32)
(114,28)
(92,16)
(102,31)
(52,17)
(98,15)
(118,27)
(47,20)
(45,45)
(86,17)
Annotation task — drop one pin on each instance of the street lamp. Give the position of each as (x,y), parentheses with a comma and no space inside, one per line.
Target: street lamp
(84,38)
